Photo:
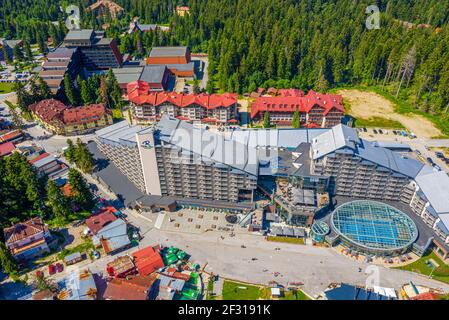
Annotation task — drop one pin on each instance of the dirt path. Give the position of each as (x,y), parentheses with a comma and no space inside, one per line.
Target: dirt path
(366,105)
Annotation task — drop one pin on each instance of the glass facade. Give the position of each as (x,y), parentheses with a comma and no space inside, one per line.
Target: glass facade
(319,230)
(374,227)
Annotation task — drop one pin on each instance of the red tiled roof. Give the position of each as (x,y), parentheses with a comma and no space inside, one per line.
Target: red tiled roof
(427,296)
(24,230)
(304,104)
(133,288)
(99,220)
(138,93)
(173,273)
(84,114)
(67,190)
(6,148)
(147,260)
(10,135)
(51,110)
(291,93)
(39,157)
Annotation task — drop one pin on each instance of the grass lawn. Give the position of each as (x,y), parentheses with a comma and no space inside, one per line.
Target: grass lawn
(235,291)
(290,295)
(378,122)
(74,216)
(210,289)
(440,273)
(83,247)
(6,87)
(286,239)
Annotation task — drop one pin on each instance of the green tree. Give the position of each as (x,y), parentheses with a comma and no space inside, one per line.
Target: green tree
(81,193)
(57,202)
(296,122)
(83,158)
(196,86)
(18,53)
(85,93)
(266,120)
(70,152)
(70,91)
(113,91)
(28,51)
(7,262)
(6,55)
(44,89)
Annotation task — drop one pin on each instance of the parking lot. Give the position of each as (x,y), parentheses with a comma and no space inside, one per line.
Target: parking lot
(424,150)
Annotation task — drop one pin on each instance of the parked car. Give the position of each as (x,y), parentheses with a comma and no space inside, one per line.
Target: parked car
(375,131)
(429,160)
(439,154)
(365,130)
(418,152)
(380,131)
(59,267)
(51,269)
(96,254)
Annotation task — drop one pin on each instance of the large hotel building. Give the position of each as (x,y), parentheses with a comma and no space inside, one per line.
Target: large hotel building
(303,170)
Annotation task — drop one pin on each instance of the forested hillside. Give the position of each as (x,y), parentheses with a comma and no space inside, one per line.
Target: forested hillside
(300,43)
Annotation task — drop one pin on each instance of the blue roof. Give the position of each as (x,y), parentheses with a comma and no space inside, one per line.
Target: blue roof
(348,292)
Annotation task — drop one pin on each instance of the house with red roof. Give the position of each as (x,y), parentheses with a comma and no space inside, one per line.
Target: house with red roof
(61,119)
(13,136)
(147,260)
(27,239)
(100,220)
(315,109)
(6,149)
(149,106)
(46,164)
(132,288)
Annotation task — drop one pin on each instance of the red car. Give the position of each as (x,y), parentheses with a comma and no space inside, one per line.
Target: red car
(59,267)
(51,269)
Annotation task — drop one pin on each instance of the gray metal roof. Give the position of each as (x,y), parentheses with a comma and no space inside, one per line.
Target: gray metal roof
(116,234)
(44,161)
(83,34)
(435,187)
(127,75)
(153,73)
(72,256)
(208,146)
(338,137)
(172,283)
(276,138)
(61,53)
(182,66)
(121,133)
(168,51)
(344,139)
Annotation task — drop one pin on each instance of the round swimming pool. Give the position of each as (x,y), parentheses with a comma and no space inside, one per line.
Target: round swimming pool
(374,227)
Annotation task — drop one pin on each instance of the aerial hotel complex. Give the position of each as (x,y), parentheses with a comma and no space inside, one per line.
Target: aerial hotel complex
(306,172)
(149,106)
